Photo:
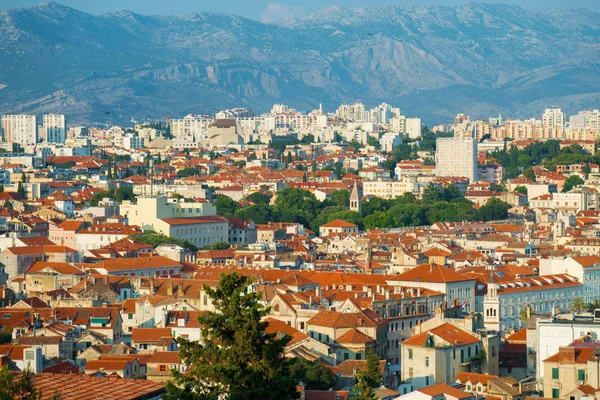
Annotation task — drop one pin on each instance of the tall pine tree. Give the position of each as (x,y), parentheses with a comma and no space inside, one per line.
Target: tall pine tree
(362,390)
(238,359)
(373,373)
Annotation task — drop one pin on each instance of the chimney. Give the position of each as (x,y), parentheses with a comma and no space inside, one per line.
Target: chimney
(318,292)
(180,290)
(151,286)
(169,288)
(387,295)
(566,355)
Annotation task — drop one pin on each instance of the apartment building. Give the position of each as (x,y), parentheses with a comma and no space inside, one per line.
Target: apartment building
(457,157)
(54,128)
(20,129)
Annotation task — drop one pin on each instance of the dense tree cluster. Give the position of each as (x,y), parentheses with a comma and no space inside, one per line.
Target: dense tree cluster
(297,205)
(547,154)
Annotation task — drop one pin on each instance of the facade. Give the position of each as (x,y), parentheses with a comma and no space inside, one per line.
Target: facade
(54,128)
(553,117)
(457,158)
(20,129)
(440,354)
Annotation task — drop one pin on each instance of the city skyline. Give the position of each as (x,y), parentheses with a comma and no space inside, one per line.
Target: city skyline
(267,11)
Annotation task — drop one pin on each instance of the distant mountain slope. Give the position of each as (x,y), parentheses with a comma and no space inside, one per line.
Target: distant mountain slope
(481,59)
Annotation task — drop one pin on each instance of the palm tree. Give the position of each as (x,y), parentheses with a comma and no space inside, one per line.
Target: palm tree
(525,312)
(578,304)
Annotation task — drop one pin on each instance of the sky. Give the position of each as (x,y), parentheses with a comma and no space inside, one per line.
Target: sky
(266,10)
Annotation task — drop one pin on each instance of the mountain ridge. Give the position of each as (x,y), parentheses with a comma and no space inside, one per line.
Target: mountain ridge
(485,58)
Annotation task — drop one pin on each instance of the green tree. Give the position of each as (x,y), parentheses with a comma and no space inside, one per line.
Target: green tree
(260,213)
(8,204)
(431,194)
(373,141)
(20,386)
(451,193)
(494,210)
(378,219)
(1,188)
(123,193)
(571,182)
(313,374)
(23,178)
(226,206)
(340,198)
(156,239)
(21,190)
(217,246)
(308,139)
(529,174)
(109,170)
(521,189)
(578,304)
(524,312)
(289,157)
(238,359)
(373,374)
(362,390)
(296,205)
(259,198)
(97,198)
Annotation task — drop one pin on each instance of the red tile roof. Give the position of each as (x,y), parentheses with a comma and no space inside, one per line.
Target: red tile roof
(83,387)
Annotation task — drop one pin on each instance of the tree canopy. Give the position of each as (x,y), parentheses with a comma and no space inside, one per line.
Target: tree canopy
(238,360)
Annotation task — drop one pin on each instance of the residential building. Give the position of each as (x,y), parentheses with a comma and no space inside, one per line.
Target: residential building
(457,157)
(54,128)
(20,129)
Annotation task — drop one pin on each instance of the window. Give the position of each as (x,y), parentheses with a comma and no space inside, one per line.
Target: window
(410,354)
(555,393)
(426,381)
(346,356)
(468,388)
(162,368)
(358,356)
(554,373)
(130,316)
(581,375)
(427,361)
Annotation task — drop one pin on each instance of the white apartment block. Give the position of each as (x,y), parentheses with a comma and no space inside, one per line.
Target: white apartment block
(131,141)
(553,117)
(352,112)
(390,140)
(587,120)
(410,126)
(457,157)
(54,128)
(21,129)
(191,125)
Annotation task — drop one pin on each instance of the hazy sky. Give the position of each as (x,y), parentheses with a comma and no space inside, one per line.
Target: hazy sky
(272,10)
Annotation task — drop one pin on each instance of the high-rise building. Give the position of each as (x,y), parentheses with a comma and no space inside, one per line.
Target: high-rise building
(457,157)
(586,120)
(191,126)
(352,112)
(54,128)
(21,129)
(553,117)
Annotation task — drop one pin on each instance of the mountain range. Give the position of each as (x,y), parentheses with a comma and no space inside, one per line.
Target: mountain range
(431,61)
